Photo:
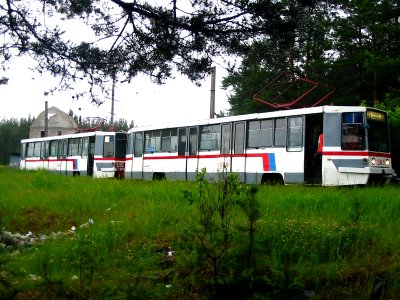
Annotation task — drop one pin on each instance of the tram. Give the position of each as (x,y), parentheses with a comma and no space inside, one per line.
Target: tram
(325,145)
(98,154)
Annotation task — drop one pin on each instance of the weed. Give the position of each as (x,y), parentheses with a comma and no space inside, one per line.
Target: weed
(229,240)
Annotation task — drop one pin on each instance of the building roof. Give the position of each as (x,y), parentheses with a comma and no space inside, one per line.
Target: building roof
(57,119)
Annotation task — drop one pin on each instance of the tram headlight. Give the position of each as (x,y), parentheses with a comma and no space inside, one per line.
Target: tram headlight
(387,162)
(373,161)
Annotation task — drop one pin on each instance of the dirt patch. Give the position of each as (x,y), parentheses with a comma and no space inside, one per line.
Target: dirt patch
(37,220)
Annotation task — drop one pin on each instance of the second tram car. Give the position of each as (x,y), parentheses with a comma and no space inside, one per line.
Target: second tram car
(327,145)
(97,154)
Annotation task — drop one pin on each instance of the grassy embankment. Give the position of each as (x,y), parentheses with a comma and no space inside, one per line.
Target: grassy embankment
(287,242)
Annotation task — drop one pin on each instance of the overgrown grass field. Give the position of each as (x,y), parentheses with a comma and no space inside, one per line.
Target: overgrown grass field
(85,238)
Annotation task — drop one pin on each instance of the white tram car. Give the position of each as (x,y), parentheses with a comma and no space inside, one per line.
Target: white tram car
(97,154)
(326,145)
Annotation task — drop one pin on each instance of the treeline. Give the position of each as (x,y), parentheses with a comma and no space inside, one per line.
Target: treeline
(349,47)
(13,130)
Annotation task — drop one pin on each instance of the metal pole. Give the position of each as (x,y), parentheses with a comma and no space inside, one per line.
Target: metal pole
(212,97)
(46,119)
(112,101)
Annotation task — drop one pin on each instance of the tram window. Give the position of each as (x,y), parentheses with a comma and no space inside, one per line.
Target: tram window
(23,151)
(153,141)
(259,134)
(59,152)
(45,149)
(182,141)
(129,146)
(108,148)
(280,130)
(353,137)
(31,149)
(209,137)
(36,152)
(65,148)
(378,135)
(295,133)
(120,145)
(53,148)
(169,140)
(353,131)
(226,139)
(62,148)
(353,117)
(138,144)
(239,138)
(193,141)
(73,147)
(85,146)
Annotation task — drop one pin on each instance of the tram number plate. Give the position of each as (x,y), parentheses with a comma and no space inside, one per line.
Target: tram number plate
(120,165)
(380,162)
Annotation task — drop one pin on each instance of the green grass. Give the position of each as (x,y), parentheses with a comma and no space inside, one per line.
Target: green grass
(332,243)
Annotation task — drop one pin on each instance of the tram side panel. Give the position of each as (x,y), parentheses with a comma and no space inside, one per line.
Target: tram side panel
(334,159)
(134,157)
(260,162)
(33,160)
(293,164)
(210,157)
(136,166)
(104,161)
(129,157)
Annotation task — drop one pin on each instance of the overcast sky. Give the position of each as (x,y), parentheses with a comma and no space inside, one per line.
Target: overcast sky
(141,101)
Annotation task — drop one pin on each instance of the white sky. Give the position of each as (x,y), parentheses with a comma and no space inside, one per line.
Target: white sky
(141,101)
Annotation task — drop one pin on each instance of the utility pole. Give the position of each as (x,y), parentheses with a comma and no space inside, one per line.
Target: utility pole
(112,100)
(46,119)
(212,97)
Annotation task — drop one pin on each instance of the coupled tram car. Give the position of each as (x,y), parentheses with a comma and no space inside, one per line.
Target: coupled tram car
(98,154)
(327,145)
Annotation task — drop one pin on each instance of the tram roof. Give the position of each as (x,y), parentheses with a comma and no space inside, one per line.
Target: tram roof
(70,135)
(254,116)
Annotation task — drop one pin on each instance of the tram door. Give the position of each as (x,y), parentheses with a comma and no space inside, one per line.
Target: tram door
(45,154)
(226,148)
(238,163)
(313,159)
(90,162)
(180,164)
(62,156)
(191,154)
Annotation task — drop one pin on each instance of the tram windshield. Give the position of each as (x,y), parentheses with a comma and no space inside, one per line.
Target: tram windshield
(353,131)
(378,133)
(356,131)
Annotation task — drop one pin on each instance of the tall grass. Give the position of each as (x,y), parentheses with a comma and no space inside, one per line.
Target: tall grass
(306,242)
